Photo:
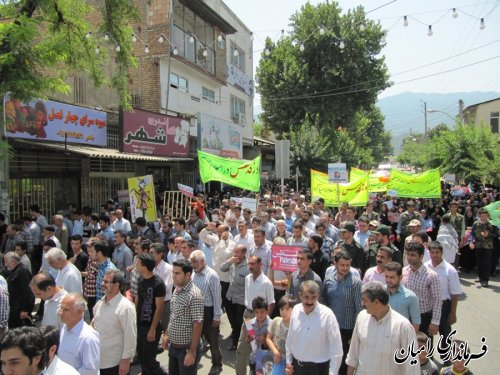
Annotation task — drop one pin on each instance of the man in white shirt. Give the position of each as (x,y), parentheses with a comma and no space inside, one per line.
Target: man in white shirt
(121,223)
(257,284)
(44,286)
(450,287)
(115,320)
(164,271)
(313,344)
(55,365)
(244,237)
(372,349)
(223,250)
(69,277)
(79,342)
(377,273)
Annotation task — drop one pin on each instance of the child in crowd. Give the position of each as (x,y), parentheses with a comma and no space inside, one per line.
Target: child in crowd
(457,365)
(278,330)
(427,366)
(258,332)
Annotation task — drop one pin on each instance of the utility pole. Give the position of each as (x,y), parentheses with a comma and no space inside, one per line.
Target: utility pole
(425,119)
(461,110)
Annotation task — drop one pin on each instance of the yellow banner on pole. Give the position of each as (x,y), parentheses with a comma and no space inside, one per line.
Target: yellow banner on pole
(377,182)
(354,193)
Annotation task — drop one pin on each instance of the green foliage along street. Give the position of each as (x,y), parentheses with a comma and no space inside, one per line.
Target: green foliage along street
(329,69)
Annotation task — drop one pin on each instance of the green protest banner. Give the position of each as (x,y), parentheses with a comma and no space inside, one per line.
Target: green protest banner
(377,183)
(494,211)
(415,185)
(240,173)
(355,192)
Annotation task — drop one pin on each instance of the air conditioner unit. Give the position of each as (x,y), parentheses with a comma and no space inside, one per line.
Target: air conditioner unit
(242,119)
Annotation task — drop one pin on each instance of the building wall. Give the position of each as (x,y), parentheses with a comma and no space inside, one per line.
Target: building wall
(483,111)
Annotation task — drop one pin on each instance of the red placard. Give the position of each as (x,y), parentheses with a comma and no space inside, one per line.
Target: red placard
(285,258)
(155,134)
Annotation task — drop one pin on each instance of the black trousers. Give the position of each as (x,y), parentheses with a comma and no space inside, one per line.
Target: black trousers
(483,261)
(91,301)
(110,371)
(444,326)
(225,302)
(146,351)
(345,336)
(235,317)
(306,368)
(212,335)
(425,321)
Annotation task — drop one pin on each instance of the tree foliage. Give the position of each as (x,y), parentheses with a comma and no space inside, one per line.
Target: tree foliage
(335,86)
(42,41)
(470,151)
(308,148)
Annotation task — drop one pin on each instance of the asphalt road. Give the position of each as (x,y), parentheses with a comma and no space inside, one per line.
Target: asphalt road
(477,316)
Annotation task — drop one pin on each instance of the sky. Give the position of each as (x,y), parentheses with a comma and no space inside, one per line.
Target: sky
(457,44)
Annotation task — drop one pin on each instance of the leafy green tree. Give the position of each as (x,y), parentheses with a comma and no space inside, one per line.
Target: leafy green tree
(329,68)
(42,41)
(470,151)
(308,148)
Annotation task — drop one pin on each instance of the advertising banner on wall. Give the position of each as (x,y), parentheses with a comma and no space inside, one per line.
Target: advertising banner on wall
(220,137)
(47,120)
(154,134)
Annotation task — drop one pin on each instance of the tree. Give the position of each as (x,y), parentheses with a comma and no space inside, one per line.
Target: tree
(328,68)
(308,148)
(470,151)
(42,41)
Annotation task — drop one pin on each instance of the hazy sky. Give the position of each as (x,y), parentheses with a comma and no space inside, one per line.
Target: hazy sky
(409,47)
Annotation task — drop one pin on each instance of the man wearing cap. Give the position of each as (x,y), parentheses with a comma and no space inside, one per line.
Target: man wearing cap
(413,227)
(383,235)
(406,217)
(351,246)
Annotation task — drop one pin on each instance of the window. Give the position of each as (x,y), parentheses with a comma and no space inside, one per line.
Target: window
(239,60)
(208,94)
(237,110)
(494,121)
(193,37)
(178,82)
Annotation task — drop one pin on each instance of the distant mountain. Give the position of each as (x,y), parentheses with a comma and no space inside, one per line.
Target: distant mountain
(404,113)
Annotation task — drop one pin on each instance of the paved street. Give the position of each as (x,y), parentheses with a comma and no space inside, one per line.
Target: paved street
(477,317)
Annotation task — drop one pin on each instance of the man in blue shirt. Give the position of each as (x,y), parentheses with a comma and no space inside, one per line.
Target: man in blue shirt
(401,299)
(342,293)
(104,223)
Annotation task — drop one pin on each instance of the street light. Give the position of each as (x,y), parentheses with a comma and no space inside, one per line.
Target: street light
(430,110)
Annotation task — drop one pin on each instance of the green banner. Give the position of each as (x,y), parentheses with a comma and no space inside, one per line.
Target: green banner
(376,183)
(355,192)
(415,185)
(494,211)
(240,173)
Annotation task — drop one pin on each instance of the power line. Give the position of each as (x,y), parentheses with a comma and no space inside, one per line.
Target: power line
(381,86)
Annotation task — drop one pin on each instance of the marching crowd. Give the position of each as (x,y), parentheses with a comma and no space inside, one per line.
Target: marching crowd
(368,284)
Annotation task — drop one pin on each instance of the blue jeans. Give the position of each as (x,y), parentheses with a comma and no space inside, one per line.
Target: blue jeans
(176,362)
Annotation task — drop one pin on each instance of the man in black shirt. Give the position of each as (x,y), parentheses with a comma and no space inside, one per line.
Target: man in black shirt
(352,247)
(320,262)
(150,301)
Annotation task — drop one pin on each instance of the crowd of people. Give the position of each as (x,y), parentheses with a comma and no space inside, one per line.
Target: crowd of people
(370,281)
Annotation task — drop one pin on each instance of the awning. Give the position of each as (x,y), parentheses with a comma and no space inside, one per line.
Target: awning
(210,15)
(105,153)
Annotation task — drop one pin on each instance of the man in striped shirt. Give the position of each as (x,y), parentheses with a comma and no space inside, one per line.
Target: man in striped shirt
(207,280)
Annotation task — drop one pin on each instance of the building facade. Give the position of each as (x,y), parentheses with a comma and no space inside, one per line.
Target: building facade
(487,112)
(195,64)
